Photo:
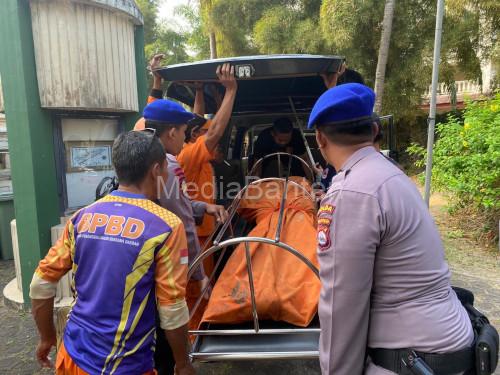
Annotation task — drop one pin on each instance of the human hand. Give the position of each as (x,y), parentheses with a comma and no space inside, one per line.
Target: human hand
(219,212)
(155,63)
(331,79)
(319,194)
(42,352)
(225,74)
(187,369)
(318,169)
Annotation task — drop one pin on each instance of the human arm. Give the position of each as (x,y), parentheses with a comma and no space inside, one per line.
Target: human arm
(156,91)
(43,289)
(308,169)
(178,338)
(199,209)
(199,99)
(155,63)
(225,73)
(348,235)
(300,149)
(217,211)
(331,79)
(43,314)
(171,280)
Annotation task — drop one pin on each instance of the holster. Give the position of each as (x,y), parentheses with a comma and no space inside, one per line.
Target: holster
(486,343)
(480,359)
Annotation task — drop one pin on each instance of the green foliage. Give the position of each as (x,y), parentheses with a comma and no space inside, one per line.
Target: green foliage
(169,42)
(290,29)
(274,30)
(196,37)
(161,38)
(353,27)
(467,157)
(149,9)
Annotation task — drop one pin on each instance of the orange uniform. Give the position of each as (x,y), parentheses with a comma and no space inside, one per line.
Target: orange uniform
(195,160)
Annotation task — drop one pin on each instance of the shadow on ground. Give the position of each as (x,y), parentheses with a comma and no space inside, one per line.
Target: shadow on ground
(472,267)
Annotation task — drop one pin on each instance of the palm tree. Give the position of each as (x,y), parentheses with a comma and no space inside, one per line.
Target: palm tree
(383,52)
(206,8)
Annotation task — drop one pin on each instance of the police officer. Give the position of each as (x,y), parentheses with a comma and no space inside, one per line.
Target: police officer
(385,284)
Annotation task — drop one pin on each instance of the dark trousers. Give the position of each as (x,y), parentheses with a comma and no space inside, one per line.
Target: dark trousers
(164,358)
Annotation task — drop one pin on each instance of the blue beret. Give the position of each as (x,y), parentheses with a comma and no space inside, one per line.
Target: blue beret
(346,103)
(168,112)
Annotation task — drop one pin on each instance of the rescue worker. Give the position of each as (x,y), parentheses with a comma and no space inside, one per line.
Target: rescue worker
(129,258)
(198,152)
(163,117)
(281,137)
(385,283)
(169,120)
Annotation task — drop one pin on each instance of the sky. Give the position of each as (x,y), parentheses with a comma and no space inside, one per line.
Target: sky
(166,10)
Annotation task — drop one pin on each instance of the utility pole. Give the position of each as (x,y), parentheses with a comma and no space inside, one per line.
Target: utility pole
(432,108)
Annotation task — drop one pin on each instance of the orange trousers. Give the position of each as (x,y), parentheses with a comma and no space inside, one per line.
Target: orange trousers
(66,366)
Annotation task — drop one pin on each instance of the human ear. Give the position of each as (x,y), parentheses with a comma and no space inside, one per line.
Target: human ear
(171,133)
(320,139)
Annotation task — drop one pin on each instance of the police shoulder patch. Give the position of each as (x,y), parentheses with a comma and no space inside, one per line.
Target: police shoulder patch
(323,238)
(325,218)
(326,210)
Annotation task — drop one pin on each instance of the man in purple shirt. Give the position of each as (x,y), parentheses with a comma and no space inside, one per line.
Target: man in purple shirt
(385,283)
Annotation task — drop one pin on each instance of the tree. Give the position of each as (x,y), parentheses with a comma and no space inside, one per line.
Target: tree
(290,28)
(383,53)
(206,10)
(196,37)
(161,38)
(149,10)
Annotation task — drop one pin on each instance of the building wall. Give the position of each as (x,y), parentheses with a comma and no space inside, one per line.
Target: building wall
(85,56)
(1,96)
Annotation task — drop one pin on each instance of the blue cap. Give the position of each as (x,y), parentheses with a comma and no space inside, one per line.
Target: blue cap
(351,102)
(168,112)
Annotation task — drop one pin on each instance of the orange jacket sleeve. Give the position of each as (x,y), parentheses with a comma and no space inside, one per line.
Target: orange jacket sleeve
(171,268)
(59,259)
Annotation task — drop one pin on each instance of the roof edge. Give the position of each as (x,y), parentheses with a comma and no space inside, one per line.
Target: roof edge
(129,7)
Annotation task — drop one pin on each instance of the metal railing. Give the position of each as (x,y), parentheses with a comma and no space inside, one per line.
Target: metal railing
(222,245)
(462,87)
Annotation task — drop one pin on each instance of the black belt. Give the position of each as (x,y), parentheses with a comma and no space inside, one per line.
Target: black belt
(442,364)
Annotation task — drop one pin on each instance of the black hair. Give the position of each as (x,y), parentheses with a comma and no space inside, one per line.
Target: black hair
(190,129)
(133,155)
(160,127)
(350,76)
(380,131)
(282,125)
(349,134)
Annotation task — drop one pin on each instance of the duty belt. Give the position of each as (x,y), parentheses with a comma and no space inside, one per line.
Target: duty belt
(442,364)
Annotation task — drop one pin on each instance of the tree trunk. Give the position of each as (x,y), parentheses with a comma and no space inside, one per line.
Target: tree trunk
(213,46)
(383,53)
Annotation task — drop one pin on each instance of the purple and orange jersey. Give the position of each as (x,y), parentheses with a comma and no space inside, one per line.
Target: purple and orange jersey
(127,255)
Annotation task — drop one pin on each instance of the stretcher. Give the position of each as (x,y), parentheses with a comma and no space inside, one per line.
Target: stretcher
(258,338)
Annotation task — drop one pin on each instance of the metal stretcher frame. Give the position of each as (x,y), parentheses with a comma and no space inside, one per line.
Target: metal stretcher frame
(222,245)
(278,156)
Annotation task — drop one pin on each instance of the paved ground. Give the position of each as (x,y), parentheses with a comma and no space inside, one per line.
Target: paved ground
(473,267)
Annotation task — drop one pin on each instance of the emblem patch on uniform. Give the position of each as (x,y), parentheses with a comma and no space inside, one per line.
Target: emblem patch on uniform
(324,221)
(324,238)
(326,210)
(184,256)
